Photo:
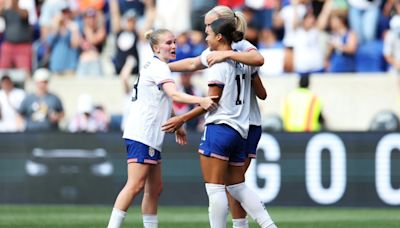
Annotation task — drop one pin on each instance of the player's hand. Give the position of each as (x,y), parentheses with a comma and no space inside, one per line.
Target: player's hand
(172,124)
(180,136)
(207,103)
(216,57)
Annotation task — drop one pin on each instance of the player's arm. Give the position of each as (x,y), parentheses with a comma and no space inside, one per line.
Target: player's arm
(187,65)
(251,57)
(258,87)
(205,102)
(176,122)
(180,134)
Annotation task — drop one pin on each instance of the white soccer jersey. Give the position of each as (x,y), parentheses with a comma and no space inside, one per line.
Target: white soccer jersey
(255,114)
(241,46)
(234,104)
(152,107)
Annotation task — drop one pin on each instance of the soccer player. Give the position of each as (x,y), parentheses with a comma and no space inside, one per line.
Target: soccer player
(222,147)
(151,106)
(247,54)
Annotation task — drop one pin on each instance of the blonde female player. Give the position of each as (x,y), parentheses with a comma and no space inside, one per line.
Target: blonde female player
(222,147)
(246,54)
(151,106)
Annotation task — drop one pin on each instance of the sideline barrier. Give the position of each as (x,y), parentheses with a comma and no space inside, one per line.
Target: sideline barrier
(324,169)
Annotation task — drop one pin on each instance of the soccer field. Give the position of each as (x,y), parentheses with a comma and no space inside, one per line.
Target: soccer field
(35,216)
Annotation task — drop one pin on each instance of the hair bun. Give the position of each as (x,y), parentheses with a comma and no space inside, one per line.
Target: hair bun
(148,34)
(237,36)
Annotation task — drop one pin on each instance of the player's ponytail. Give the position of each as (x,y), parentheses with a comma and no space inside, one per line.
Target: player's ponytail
(240,21)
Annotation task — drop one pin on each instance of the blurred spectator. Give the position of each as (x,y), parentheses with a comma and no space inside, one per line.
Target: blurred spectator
(173,15)
(124,76)
(308,54)
(128,35)
(50,10)
(10,101)
(63,42)
(363,17)
(30,6)
(233,4)
(93,37)
(189,44)
(186,86)
(273,50)
(89,118)
(16,49)
(302,109)
(391,49)
(41,110)
(296,9)
(85,5)
(252,32)
(342,45)
(263,12)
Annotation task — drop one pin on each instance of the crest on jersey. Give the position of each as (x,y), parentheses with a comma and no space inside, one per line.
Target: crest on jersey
(152,152)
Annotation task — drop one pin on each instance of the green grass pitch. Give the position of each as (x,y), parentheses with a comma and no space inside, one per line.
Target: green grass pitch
(55,216)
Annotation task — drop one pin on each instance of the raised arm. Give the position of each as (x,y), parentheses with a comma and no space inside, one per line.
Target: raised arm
(187,65)
(251,57)
(115,16)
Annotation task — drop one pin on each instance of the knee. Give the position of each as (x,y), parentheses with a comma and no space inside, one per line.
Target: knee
(134,188)
(155,191)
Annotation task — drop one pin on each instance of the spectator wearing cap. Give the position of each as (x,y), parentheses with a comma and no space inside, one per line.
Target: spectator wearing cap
(42,110)
(128,35)
(391,43)
(93,37)
(89,118)
(10,101)
(16,49)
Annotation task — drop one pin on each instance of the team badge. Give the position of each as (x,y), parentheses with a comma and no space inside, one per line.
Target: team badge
(151,152)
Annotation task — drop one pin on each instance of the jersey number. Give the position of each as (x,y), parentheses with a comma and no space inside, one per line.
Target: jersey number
(239,86)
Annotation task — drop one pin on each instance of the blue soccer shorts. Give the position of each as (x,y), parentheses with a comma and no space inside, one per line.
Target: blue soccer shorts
(252,141)
(223,142)
(141,153)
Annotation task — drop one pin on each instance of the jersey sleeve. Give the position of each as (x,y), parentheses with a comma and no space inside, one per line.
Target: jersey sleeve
(243,46)
(203,57)
(217,75)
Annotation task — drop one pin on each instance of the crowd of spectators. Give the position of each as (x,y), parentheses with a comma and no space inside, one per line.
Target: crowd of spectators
(94,38)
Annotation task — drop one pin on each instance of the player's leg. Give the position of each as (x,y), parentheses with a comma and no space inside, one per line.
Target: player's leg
(137,174)
(152,191)
(239,215)
(141,158)
(247,198)
(214,171)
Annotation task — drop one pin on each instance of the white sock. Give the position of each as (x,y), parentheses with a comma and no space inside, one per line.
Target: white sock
(251,203)
(117,218)
(218,208)
(150,221)
(240,223)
